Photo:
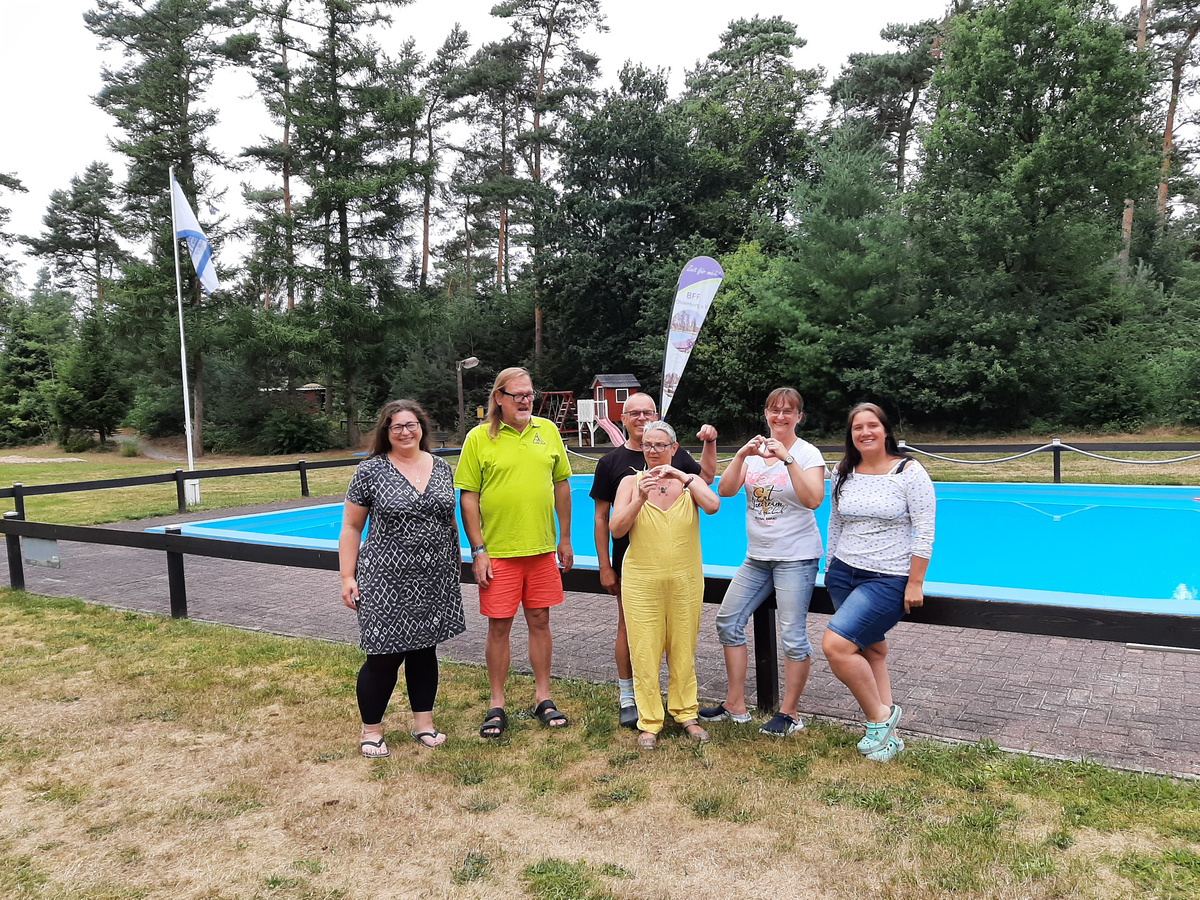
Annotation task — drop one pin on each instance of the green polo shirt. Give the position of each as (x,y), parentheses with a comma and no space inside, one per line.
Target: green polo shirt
(514,476)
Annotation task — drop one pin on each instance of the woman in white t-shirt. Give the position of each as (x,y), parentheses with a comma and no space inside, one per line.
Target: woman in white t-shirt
(881,524)
(784,479)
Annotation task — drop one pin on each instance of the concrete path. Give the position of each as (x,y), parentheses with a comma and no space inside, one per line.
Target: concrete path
(1063,697)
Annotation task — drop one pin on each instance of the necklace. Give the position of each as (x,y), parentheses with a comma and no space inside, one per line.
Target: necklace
(410,475)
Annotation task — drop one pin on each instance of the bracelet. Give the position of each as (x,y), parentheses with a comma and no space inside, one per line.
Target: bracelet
(712,441)
(690,479)
(476,551)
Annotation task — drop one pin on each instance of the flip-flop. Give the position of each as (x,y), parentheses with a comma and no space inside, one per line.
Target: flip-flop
(547,713)
(495,720)
(379,744)
(419,737)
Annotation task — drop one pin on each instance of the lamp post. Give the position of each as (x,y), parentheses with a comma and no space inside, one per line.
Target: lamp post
(469,363)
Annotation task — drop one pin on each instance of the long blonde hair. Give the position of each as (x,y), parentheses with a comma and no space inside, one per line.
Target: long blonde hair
(512,373)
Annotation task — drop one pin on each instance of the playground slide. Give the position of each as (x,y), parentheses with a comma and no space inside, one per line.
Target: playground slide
(614,433)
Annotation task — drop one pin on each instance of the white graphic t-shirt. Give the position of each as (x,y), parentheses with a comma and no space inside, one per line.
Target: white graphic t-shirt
(778,525)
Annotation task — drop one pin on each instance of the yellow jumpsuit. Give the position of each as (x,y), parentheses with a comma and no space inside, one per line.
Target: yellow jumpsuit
(662,588)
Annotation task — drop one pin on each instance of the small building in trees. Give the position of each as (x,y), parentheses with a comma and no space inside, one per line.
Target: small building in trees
(616,390)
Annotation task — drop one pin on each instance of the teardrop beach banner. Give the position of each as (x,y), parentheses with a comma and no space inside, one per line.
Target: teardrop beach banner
(694,294)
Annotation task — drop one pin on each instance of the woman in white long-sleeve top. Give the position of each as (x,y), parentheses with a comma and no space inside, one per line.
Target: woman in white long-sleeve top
(881,525)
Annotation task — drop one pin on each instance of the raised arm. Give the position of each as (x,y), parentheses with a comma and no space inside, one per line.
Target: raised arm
(708,453)
(734,475)
(702,494)
(809,484)
(626,506)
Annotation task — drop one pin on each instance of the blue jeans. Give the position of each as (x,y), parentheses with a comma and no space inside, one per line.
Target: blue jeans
(792,581)
(867,603)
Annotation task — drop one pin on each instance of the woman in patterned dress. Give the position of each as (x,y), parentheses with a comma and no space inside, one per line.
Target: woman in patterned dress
(404,580)
(881,524)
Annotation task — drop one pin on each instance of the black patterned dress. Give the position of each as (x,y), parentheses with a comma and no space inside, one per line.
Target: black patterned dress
(409,595)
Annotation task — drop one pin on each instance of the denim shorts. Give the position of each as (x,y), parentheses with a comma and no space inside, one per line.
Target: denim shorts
(792,580)
(867,603)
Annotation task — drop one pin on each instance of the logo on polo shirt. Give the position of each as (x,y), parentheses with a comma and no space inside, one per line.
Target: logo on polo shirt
(537,439)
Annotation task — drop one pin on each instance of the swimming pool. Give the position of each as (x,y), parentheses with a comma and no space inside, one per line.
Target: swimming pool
(1112,547)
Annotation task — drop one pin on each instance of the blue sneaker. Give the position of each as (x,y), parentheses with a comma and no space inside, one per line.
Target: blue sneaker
(888,751)
(781,725)
(719,713)
(878,733)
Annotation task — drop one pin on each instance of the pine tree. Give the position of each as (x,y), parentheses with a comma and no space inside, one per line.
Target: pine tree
(80,236)
(92,395)
(171,50)
(355,120)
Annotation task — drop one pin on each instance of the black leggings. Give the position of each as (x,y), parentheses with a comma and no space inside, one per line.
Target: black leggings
(377,680)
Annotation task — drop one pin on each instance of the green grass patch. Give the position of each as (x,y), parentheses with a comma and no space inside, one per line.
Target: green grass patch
(474,867)
(557,879)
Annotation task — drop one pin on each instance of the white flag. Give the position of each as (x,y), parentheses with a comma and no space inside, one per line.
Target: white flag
(187,228)
(694,294)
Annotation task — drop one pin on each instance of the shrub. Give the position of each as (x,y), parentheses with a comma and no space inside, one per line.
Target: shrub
(293,429)
(157,410)
(76,441)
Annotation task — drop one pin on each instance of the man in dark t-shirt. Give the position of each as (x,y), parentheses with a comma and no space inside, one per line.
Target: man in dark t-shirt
(638,412)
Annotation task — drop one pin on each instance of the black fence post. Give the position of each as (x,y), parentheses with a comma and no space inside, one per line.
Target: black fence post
(180,492)
(19,499)
(766,659)
(175,581)
(1057,451)
(16,565)
(303,478)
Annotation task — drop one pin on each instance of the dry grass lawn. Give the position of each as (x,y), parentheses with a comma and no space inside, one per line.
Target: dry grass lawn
(144,757)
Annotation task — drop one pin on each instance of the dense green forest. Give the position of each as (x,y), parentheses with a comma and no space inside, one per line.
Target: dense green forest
(990,226)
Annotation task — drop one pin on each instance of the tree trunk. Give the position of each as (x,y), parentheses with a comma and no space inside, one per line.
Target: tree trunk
(353,436)
(467,234)
(1177,64)
(1127,213)
(902,139)
(198,404)
(289,235)
(428,199)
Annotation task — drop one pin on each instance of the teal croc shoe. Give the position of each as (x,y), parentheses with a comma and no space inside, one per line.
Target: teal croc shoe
(878,733)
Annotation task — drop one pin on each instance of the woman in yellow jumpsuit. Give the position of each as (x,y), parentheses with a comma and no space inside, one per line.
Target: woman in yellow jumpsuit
(662,584)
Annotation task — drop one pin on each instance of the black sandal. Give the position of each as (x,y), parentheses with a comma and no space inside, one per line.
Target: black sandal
(547,713)
(495,720)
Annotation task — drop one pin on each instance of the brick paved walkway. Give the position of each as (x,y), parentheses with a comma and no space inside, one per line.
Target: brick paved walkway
(1072,698)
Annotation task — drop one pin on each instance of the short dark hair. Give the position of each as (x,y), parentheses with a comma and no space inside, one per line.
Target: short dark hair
(381,445)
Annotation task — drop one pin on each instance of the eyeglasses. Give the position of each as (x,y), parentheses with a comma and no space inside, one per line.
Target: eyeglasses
(521,398)
(656,448)
(640,413)
(403,427)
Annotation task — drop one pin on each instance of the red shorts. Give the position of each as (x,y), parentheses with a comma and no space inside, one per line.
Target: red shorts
(532,580)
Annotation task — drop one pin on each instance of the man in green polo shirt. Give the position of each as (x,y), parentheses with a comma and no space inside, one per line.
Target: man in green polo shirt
(513,478)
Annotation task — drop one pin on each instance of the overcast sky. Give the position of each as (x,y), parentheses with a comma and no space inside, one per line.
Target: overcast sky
(50,69)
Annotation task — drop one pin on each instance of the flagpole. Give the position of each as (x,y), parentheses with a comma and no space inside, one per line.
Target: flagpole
(187,404)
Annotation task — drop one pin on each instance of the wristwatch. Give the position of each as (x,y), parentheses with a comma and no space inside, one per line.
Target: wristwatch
(790,459)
